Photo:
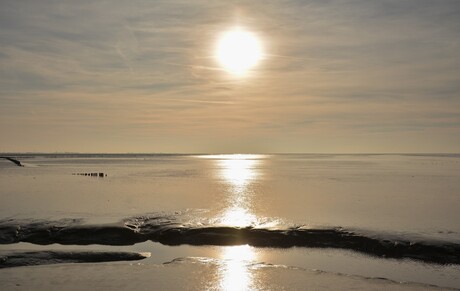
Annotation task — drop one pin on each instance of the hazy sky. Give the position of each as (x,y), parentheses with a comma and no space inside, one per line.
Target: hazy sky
(139,76)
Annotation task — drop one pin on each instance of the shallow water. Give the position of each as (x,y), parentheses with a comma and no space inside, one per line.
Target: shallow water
(190,274)
(398,198)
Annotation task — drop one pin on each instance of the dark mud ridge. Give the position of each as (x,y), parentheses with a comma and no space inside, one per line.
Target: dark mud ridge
(17,259)
(74,232)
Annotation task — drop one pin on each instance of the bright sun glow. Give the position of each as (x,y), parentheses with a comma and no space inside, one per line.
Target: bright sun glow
(238,51)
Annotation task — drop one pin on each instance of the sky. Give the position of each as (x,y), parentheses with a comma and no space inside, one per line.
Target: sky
(337,76)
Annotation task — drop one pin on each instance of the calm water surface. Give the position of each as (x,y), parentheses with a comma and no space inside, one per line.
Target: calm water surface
(408,196)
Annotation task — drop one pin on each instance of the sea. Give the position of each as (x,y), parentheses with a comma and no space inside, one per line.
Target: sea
(229,221)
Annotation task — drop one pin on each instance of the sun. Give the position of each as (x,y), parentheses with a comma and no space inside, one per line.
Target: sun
(238,50)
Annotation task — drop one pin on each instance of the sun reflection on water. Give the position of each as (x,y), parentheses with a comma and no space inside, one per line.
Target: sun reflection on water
(234,272)
(238,173)
(239,176)
(238,216)
(239,170)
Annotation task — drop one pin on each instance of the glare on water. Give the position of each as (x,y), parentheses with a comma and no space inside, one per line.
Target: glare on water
(238,172)
(238,216)
(234,271)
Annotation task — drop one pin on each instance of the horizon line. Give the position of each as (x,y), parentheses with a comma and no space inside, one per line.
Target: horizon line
(229,153)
